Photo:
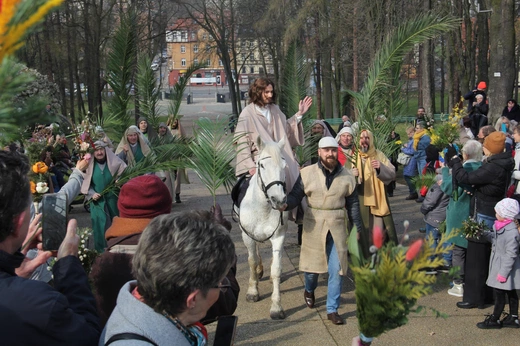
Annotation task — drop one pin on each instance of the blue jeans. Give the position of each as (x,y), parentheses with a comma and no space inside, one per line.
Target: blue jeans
(411,186)
(436,235)
(335,280)
(489,220)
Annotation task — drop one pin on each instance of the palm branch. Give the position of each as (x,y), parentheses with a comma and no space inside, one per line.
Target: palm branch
(167,157)
(121,65)
(294,80)
(381,93)
(148,92)
(427,180)
(212,154)
(178,92)
(304,153)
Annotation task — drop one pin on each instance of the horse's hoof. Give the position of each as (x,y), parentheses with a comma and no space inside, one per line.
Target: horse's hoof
(252,297)
(277,315)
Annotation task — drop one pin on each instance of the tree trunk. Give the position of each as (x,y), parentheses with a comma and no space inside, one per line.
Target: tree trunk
(318,67)
(482,44)
(327,83)
(502,61)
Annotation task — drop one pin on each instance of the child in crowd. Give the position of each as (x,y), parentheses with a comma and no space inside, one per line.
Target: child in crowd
(504,265)
(434,209)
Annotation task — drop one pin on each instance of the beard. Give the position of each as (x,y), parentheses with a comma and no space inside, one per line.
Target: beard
(365,148)
(330,162)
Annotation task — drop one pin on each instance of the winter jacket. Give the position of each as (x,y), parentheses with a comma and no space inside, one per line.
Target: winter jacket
(410,170)
(133,316)
(434,206)
(504,258)
(513,114)
(490,180)
(471,97)
(420,154)
(34,313)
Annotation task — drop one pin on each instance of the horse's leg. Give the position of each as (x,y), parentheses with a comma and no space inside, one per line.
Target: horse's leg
(253,259)
(276,272)
(259,265)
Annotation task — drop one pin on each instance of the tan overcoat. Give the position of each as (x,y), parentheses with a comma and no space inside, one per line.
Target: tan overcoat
(253,124)
(325,212)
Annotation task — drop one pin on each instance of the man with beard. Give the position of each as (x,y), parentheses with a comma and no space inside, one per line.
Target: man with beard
(328,188)
(133,147)
(103,208)
(373,171)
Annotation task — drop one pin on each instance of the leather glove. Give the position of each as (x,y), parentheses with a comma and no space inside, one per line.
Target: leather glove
(501,279)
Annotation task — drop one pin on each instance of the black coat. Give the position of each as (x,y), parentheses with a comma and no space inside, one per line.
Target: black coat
(514,114)
(34,313)
(471,97)
(490,180)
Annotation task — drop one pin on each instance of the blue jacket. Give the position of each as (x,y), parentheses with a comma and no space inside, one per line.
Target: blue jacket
(34,313)
(420,153)
(410,169)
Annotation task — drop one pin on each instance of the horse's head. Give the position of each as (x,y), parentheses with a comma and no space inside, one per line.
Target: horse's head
(270,169)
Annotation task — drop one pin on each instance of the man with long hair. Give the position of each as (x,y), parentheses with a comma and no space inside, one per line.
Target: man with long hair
(263,118)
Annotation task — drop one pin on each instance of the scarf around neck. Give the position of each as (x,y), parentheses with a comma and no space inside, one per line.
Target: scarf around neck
(416,137)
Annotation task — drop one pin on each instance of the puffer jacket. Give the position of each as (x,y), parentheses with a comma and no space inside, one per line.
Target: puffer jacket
(490,180)
(434,206)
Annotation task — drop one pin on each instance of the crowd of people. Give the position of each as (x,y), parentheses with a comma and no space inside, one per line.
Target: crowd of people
(162,276)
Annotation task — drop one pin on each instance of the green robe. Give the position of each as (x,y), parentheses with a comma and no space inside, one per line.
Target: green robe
(104,209)
(138,154)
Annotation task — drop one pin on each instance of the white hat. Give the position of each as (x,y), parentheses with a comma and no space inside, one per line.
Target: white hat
(327,142)
(344,129)
(507,208)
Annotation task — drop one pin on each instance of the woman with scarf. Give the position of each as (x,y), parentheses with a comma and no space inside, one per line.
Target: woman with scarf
(421,140)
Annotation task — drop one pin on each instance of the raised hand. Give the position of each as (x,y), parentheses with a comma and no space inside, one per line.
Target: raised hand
(304,105)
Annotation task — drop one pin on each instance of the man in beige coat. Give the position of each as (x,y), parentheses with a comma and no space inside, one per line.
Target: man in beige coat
(328,188)
(263,118)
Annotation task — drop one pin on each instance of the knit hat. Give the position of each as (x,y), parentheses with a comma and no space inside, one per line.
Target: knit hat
(495,142)
(144,197)
(162,125)
(481,85)
(327,142)
(508,208)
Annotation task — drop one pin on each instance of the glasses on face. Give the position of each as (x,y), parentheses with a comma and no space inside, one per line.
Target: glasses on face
(223,285)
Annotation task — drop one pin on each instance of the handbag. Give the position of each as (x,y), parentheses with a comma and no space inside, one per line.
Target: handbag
(403,159)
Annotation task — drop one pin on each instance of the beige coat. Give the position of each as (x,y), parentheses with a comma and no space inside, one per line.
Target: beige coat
(252,124)
(325,212)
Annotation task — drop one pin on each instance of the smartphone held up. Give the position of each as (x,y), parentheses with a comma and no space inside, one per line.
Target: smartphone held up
(54,220)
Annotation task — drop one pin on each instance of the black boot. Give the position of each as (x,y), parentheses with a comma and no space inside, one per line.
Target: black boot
(300,230)
(177,198)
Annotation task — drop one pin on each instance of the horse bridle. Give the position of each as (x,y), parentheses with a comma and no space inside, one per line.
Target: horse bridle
(262,184)
(264,189)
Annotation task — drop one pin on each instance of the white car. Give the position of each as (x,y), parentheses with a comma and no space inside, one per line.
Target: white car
(155,67)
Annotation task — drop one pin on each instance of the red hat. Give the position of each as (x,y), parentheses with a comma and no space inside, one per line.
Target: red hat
(481,85)
(144,197)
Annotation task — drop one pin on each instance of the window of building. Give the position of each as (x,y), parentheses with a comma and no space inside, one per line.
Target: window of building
(243,56)
(261,70)
(183,62)
(208,75)
(195,61)
(193,35)
(251,69)
(243,70)
(195,48)
(184,35)
(183,49)
(220,63)
(204,36)
(208,62)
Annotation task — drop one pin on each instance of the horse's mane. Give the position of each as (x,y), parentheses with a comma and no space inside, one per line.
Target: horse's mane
(273,150)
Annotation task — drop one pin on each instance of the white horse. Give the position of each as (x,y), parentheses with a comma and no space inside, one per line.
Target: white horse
(261,220)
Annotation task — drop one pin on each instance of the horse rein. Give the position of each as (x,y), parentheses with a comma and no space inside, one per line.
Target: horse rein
(264,190)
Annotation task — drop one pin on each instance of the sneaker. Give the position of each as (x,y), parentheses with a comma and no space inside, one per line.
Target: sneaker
(422,230)
(444,269)
(491,322)
(510,321)
(457,290)
(420,199)
(429,271)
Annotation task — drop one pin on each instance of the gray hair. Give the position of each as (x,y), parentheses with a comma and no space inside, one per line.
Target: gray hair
(178,254)
(473,150)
